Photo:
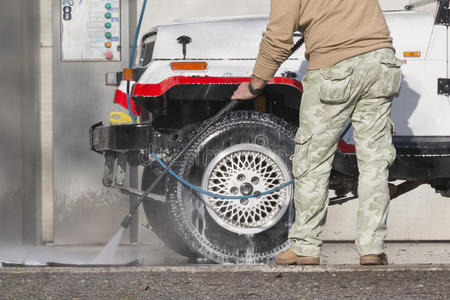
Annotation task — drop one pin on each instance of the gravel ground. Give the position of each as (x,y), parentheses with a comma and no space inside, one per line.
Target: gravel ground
(227,282)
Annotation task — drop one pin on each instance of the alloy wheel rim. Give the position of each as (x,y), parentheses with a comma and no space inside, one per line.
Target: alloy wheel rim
(246,169)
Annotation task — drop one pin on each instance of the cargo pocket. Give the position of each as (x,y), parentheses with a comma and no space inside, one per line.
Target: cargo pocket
(391,152)
(301,155)
(305,79)
(391,77)
(391,126)
(334,86)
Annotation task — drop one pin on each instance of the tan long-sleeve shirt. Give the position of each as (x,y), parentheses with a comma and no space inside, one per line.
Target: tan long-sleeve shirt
(334,30)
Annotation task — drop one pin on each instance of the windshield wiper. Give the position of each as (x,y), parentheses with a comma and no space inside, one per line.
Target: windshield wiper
(419,3)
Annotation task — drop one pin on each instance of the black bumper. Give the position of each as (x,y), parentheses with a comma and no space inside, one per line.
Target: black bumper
(120,138)
(419,158)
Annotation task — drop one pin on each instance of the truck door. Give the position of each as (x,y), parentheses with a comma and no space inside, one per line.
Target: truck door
(443,19)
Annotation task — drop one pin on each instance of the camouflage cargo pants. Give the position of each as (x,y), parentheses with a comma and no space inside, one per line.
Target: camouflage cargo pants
(361,89)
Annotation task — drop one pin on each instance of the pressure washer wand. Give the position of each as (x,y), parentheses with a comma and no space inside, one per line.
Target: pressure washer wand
(229,107)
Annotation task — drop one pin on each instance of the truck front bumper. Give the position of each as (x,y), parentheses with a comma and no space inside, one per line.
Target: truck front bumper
(124,147)
(121,138)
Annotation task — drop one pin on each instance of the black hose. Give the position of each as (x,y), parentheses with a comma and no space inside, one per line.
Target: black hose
(297,45)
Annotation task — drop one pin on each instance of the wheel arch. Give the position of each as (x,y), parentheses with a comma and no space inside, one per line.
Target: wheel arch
(176,97)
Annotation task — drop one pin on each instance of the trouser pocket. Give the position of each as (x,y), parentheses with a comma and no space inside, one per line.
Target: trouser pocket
(391,126)
(301,154)
(392,153)
(390,77)
(335,84)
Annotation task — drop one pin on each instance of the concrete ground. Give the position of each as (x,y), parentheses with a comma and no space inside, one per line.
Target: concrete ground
(228,282)
(157,255)
(416,271)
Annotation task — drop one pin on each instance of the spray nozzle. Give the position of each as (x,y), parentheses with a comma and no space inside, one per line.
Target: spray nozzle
(127,220)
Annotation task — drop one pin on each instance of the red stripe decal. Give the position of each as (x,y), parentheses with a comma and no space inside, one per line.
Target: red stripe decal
(155,90)
(121,98)
(346,148)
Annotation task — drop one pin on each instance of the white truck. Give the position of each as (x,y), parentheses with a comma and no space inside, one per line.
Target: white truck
(187,71)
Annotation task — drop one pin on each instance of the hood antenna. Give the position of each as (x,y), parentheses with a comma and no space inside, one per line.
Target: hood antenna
(184,40)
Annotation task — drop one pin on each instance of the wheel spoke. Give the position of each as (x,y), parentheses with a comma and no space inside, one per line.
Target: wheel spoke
(249,168)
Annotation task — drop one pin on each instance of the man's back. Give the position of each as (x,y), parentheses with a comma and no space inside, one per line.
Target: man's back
(338,29)
(334,30)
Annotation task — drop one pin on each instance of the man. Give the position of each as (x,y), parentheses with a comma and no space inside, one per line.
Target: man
(352,74)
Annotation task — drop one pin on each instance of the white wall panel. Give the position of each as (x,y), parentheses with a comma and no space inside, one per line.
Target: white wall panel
(46,117)
(418,215)
(164,11)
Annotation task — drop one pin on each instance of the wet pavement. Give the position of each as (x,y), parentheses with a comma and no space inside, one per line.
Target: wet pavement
(417,271)
(158,255)
(150,255)
(227,282)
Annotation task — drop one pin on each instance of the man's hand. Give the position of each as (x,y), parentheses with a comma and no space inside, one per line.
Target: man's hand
(243,93)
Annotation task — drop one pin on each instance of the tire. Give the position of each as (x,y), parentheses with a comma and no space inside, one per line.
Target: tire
(158,217)
(227,238)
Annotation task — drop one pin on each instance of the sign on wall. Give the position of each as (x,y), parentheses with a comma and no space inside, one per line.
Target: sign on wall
(90,30)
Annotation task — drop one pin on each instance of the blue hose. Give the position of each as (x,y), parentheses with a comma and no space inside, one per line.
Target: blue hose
(196,188)
(136,35)
(133,53)
(130,112)
(160,162)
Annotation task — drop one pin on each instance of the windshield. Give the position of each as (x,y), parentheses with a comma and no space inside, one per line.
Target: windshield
(396,5)
(393,4)
(148,44)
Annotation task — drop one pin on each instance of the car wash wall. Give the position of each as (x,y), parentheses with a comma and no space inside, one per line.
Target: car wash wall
(19,98)
(90,38)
